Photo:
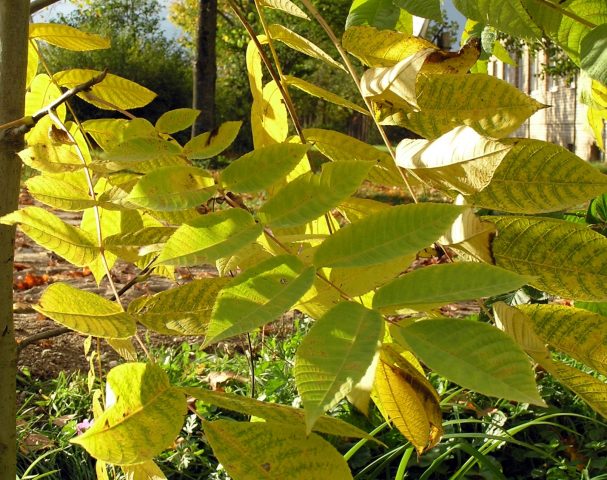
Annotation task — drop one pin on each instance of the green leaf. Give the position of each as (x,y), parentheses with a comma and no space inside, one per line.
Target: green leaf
(50,232)
(143,155)
(334,356)
(496,109)
(509,16)
(286,6)
(113,92)
(176,120)
(593,54)
(273,412)
(67,191)
(382,14)
(576,269)
(263,167)
(301,44)
(571,31)
(173,188)
(110,132)
(319,92)
(265,450)
(210,144)
(386,235)
(210,237)
(537,177)
(423,8)
(184,310)
(592,390)
(474,355)
(67,37)
(85,312)
(381,48)
(339,147)
(579,333)
(258,296)
(311,195)
(437,285)
(145,418)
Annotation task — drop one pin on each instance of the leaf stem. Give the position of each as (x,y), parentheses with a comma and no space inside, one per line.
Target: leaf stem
(569,14)
(343,54)
(89,180)
(275,76)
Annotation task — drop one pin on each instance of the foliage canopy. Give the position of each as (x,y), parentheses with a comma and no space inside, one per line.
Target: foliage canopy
(314,246)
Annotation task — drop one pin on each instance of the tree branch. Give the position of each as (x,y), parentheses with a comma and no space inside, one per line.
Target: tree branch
(24,125)
(37,5)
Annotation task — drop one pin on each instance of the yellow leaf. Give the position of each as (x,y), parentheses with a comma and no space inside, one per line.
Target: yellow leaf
(470,234)
(301,44)
(395,85)
(254,70)
(268,450)
(410,403)
(460,160)
(518,325)
(596,120)
(32,64)
(67,37)
(143,402)
(269,117)
(41,93)
(453,62)
(113,92)
(286,6)
(177,120)
(442,103)
(382,48)
(319,92)
(592,390)
(577,332)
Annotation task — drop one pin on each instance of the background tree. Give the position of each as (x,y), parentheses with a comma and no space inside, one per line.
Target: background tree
(231,42)
(140,51)
(205,66)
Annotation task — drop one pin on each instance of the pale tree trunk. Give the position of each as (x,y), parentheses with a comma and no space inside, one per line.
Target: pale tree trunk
(205,67)
(13,64)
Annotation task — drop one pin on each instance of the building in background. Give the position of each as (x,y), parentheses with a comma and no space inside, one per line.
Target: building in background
(565,122)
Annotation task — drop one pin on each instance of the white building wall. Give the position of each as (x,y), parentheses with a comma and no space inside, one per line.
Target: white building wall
(564,122)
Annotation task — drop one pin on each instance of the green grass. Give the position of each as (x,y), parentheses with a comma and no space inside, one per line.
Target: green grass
(484,438)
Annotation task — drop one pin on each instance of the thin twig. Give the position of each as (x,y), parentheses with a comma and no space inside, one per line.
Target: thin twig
(37,5)
(271,70)
(96,211)
(252,365)
(53,332)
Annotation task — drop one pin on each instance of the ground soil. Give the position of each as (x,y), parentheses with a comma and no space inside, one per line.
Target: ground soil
(35,269)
